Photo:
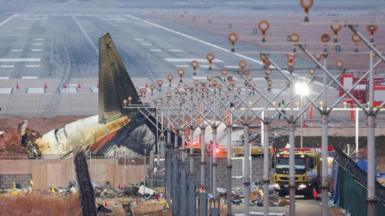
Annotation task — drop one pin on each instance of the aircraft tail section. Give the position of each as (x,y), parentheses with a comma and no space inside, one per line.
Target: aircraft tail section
(114,83)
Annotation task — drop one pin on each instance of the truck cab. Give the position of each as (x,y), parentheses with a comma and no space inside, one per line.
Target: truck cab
(307,171)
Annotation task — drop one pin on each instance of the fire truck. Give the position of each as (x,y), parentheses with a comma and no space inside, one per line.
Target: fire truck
(221,151)
(360,91)
(307,171)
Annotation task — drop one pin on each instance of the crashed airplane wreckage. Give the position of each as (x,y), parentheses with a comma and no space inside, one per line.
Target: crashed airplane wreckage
(114,126)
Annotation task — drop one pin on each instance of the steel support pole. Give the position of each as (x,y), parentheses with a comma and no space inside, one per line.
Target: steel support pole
(371,165)
(191,153)
(203,161)
(174,182)
(371,144)
(183,193)
(246,168)
(292,186)
(176,144)
(324,145)
(357,129)
(183,149)
(324,171)
(214,128)
(191,205)
(302,121)
(266,174)
(168,136)
(229,166)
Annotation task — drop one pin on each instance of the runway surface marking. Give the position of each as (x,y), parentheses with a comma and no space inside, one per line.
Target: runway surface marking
(19,59)
(34,19)
(232,66)
(7,66)
(39,39)
(37,50)
(32,66)
(155,50)
(207,43)
(29,77)
(146,44)
(5,90)
(8,19)
(4,78)
(182,66)
(16,50)
(196,39)
(37,44)
(191,59)
(35,90)
(138,39)
(175,50)
(198,77)
(86,35)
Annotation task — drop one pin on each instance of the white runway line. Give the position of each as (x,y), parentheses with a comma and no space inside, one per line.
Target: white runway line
(39,39)
(8,19)
(7,66)
(175,50)
(19,59)
(155,50)
(198,77)
(138,39)
(36,50)
(200,60)
(37,44)
(207,43)
(232,66)
(34,19)
(4,78)
(16,50)
(32,66)
(29,77)
(86,35)
(5,90)
(146,44)
(182,66)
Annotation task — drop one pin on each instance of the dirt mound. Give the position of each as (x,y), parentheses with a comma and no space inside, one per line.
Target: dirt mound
(10,145)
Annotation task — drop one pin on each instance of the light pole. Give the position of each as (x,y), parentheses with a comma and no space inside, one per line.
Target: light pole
(302,89)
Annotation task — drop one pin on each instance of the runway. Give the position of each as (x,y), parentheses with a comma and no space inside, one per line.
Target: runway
(49,61)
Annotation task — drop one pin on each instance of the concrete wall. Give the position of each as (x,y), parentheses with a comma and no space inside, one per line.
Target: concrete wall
(59,172)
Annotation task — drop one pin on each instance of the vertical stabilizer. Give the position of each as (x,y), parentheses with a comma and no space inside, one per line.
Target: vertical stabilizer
(114,83)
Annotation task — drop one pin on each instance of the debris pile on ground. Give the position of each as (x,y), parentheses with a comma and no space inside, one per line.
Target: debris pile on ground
(10,145)
(151,207)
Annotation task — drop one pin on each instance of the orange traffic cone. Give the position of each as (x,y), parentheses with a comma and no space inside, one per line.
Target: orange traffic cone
(17,86)
(79,85)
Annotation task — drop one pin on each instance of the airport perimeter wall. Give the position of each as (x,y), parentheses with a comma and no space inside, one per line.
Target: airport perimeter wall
(59,172)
